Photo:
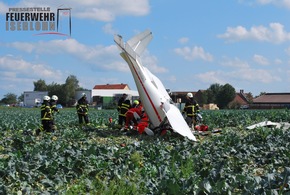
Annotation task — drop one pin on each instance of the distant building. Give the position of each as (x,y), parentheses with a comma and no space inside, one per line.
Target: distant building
(111,90)
(241,100)
(33,98)
(112,87)
(107,96)
(180,96)
(272,100)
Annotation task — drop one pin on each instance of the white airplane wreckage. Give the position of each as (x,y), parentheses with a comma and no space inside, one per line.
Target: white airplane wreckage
(161,111)
(280,125)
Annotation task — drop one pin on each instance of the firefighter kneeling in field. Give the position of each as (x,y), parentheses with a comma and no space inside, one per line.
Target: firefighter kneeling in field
(133,115)
(136,118)
(143,125)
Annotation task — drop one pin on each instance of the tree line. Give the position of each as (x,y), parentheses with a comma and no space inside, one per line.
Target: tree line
(65,92)
(219,94)
(222,95)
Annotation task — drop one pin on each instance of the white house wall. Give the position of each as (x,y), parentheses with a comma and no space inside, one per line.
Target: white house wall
(113,92)
(31,96)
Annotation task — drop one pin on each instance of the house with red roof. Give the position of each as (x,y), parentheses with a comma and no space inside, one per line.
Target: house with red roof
(272,100)
(242,100)
(107,95)
(112,87)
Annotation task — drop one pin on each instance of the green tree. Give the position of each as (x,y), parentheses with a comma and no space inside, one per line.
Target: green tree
(9,98)
(59,91)
(71,85)
(212,93)
(64,92)
(225,95)
(250,97)
(21,98)
(261,93)
(40,85)
(201,97)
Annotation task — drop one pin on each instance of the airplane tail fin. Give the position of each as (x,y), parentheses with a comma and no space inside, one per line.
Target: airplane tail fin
(139,42)
(119,41)
(136,45)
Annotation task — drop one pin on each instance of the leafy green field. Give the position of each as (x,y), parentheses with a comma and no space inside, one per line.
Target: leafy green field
(101,160)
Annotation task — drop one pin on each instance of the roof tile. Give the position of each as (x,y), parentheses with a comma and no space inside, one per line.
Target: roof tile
(111,86)
(273,98)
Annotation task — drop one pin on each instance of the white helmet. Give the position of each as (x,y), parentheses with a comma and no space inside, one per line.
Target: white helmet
(54,97)
(46,98)
(189,95)
(84,94)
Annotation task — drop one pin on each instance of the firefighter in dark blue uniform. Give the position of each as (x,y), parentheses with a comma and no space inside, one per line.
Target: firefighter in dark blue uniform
(83,109)
(54,110)
(46,115)
(191,109)
(124,105)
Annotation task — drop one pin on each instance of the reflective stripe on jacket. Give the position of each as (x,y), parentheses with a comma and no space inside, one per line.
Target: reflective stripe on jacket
(125,106)
(82,106)
(82,109)
(53,107)
(46,111)
(191,108)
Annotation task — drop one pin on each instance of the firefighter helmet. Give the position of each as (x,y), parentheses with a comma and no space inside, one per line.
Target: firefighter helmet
(54,97)
(189,95)
(46,98)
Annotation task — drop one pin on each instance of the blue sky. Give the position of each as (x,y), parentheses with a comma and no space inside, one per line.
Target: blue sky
(245,43)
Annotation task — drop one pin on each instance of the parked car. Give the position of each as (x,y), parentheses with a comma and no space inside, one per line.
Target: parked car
(244,106)
(59,106)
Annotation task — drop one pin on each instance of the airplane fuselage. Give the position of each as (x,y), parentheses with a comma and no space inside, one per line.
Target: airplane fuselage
(149,94)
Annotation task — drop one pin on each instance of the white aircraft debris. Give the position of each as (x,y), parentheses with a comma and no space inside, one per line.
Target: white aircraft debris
(283,125)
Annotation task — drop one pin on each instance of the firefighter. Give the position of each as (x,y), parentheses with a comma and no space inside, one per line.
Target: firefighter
(143,124)
(134,114)
(46,116)
(190,110)
(83,109)
(135,104)
(54,110)
(124,105)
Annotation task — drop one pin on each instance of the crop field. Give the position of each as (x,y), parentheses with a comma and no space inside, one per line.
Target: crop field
(99,159)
